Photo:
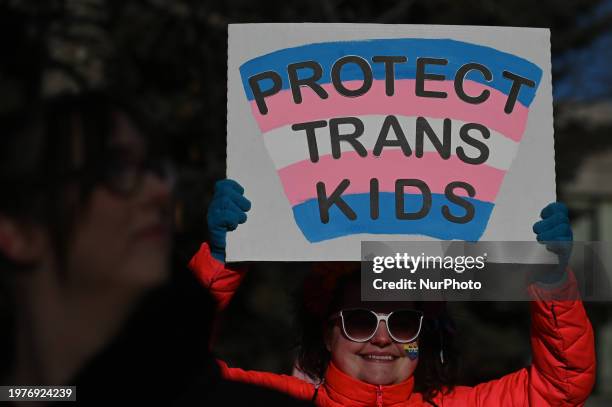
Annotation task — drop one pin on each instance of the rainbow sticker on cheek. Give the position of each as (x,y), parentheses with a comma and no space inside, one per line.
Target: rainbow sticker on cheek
(412,350)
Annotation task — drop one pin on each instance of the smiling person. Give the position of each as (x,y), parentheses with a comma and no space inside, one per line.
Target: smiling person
(356,353)
(360,344)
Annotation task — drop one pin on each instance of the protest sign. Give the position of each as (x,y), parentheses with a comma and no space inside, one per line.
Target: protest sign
(342,133)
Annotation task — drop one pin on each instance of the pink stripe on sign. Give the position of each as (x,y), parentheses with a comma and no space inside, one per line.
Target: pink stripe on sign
(300,179)
(283,111)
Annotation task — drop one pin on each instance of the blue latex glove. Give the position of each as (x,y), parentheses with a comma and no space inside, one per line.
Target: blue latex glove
(555,231)
(226,211)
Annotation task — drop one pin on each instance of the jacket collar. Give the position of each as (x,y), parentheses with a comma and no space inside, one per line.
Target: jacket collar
(348,390)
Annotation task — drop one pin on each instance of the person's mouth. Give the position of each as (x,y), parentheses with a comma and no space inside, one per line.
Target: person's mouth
(158,230)
(378,357)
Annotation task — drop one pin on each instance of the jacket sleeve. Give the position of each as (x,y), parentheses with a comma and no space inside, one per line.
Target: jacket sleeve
(562,372)
(290,385)
(222,282)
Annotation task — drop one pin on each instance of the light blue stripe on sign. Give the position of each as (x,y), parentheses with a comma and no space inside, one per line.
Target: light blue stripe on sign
(434,224)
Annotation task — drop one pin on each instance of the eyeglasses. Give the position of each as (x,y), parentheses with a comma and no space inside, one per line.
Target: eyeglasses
(360,325)
(120,176)
(124,177)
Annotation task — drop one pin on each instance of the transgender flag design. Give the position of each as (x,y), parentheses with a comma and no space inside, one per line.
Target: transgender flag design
(299,173)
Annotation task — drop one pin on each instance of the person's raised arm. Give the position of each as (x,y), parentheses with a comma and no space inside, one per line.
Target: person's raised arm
(562,372)
(226,211)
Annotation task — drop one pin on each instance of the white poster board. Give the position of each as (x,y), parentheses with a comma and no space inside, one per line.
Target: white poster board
(347,132)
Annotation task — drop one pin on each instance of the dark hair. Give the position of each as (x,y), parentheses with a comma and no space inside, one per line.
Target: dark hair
(37,160)
(321,296)
(48,142)
(43,150)
(51,149)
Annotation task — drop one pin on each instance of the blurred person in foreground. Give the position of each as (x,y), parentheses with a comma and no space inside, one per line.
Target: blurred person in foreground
(89,296)
(357,353)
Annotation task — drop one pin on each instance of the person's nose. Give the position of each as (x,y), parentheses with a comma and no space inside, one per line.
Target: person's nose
(381,337)
(157,189)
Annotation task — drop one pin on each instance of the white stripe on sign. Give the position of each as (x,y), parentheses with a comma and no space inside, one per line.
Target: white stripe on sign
(287,146)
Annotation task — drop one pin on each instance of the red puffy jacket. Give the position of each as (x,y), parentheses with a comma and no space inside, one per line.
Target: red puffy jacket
(562,372)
